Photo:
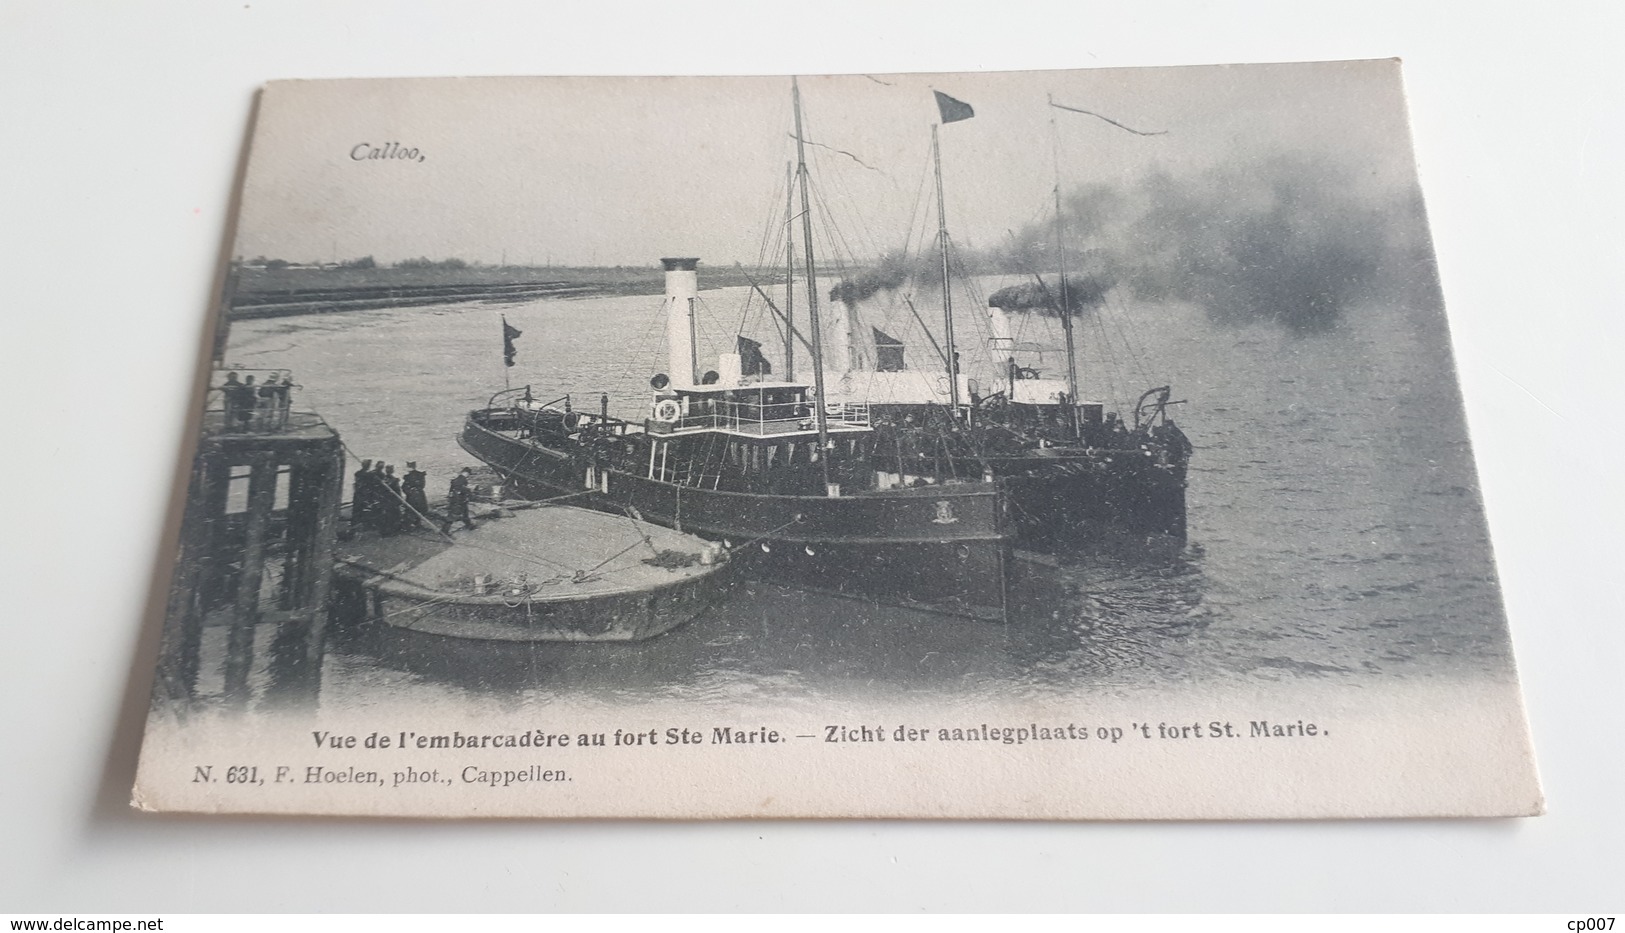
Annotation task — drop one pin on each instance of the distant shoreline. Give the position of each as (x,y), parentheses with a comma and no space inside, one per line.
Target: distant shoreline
(297,290)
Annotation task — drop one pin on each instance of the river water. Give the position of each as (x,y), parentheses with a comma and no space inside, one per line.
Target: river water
(1336,532)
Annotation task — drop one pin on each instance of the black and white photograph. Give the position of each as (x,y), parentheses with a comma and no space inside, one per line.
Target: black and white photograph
(1034,445)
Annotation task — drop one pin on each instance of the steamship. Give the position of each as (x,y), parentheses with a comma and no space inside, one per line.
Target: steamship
(780,473)
(785,481)
(1075,474)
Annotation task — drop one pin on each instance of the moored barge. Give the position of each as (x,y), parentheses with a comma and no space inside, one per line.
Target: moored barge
(527,574)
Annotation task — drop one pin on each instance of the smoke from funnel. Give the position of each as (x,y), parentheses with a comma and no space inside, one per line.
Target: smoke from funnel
(889,273)
(1290,239)
(1044,296)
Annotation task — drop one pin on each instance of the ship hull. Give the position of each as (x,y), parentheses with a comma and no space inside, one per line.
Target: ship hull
(943,548)
(973,580)
(1062,495)
(1095,497)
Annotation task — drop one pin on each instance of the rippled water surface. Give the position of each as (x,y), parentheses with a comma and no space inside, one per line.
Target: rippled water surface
(1335,526)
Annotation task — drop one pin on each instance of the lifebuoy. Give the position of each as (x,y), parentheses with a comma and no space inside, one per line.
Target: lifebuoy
(1027,372)
(834,408)
(668,410)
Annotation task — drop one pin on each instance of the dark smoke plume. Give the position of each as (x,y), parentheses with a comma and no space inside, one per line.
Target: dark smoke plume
(888,274)
(1289,240)
(1044,296)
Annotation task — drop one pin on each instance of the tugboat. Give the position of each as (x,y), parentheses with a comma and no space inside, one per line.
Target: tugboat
(783,480)
(1079,473)
(1076,475)
(778,472)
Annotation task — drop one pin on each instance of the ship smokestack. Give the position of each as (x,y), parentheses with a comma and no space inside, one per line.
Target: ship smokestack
(682,288)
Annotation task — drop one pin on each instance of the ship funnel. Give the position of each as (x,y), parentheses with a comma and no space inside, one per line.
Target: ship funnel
(682,289)
(998,323)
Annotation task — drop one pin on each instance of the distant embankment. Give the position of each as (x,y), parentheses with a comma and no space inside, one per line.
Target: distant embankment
(265,293)
(289,301)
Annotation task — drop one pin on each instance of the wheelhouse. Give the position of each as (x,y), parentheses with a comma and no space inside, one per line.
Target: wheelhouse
(760,409)
(755,438)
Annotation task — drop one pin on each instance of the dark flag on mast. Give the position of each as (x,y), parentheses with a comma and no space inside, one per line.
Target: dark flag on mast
(751,360)
(953,110)
(510,333)
(888,352)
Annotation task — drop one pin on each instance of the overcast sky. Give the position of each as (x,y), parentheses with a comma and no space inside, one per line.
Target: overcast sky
(578,171)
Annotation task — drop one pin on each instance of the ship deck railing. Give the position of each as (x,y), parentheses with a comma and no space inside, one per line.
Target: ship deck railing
(753,419)
(265,421)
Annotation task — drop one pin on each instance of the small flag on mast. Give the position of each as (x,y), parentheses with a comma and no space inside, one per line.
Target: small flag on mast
(510,333)
(952,109)
(752,362)
(888,352)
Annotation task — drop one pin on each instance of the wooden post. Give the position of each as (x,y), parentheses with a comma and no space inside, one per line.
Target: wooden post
(182,642)
(296,537)
(330,490)
(240,641)
(213,522)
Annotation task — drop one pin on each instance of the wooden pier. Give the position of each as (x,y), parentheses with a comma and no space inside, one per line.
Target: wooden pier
(256,550)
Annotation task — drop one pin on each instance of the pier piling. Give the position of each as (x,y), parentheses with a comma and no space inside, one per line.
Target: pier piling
(256,549)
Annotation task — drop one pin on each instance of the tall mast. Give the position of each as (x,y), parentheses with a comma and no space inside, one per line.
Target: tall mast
(1060,259)
(789,274)
(947,296)
(812,290)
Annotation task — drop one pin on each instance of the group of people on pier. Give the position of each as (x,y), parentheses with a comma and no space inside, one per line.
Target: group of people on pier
(262,408)
(389,504)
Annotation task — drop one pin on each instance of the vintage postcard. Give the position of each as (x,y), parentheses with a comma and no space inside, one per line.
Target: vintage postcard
(1049,445)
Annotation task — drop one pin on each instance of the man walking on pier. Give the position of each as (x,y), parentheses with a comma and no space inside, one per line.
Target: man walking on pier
(415,488)
(361,497)
(377,492)
(457,502)
(389,501)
